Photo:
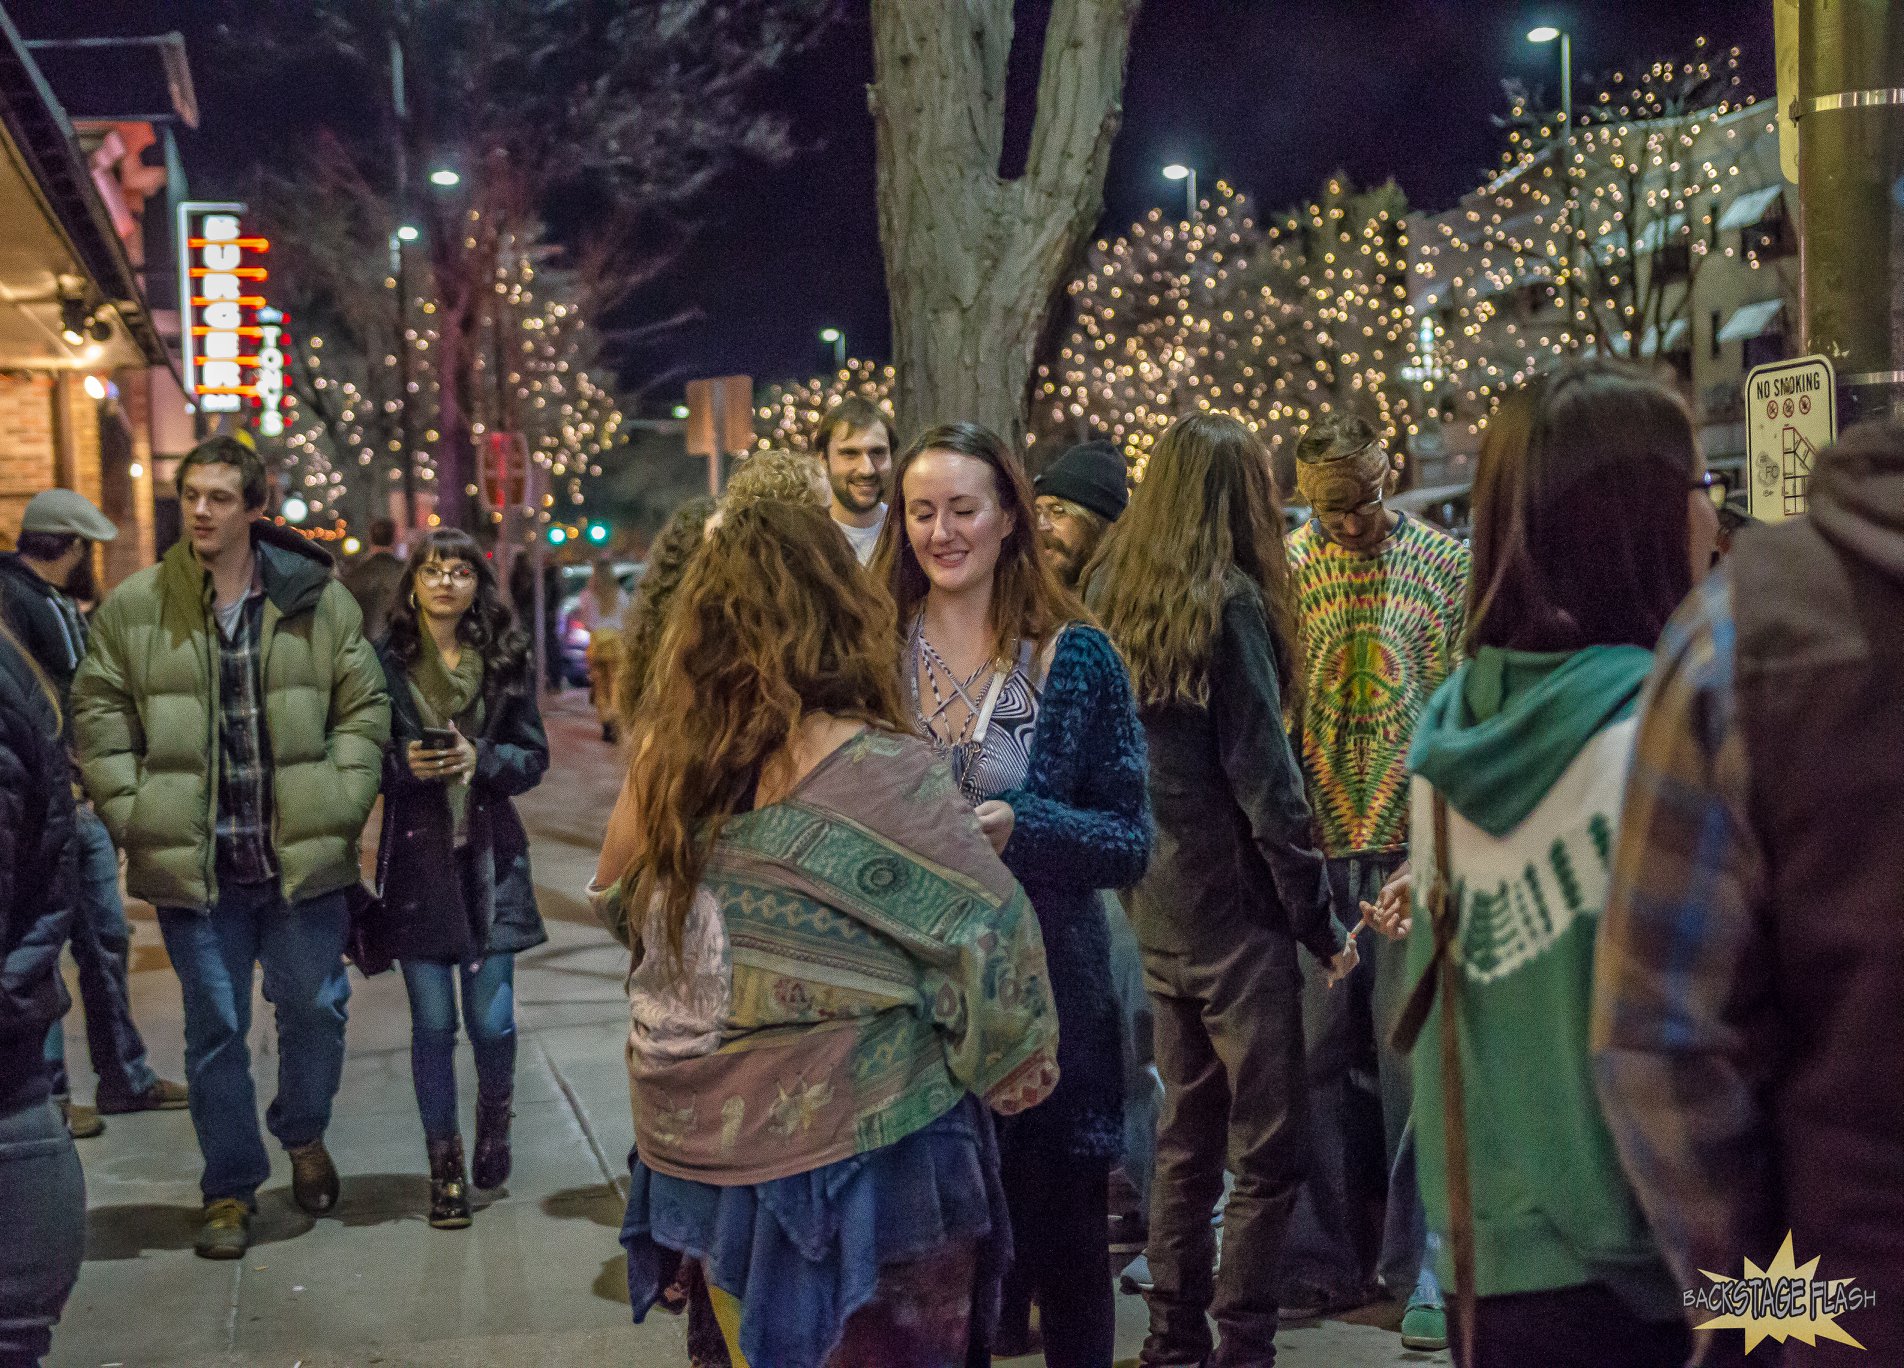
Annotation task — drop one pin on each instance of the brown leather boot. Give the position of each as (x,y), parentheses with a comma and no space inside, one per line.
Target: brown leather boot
(314,1185)
(449,1189)
(493,1159)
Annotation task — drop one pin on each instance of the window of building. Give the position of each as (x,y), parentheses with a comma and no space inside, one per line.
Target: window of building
(1718,322)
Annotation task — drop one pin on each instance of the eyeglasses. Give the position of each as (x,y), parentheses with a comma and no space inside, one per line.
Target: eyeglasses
(450,574)
(1716,484)
(1050,508)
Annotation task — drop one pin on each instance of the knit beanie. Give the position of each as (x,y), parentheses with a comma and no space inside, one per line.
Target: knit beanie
(1091,475)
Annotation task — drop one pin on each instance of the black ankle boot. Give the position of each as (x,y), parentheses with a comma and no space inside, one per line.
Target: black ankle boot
(449,1190)
(492,1141)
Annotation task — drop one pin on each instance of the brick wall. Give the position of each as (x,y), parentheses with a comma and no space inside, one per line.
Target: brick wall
(27,461)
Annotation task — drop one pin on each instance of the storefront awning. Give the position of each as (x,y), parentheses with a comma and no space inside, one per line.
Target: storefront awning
(1753,320)
(1675,338)
(1750,207)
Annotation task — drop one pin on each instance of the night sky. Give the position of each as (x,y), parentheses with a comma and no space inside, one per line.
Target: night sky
(1271,95)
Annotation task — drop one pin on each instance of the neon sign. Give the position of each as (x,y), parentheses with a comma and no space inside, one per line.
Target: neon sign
(231,341)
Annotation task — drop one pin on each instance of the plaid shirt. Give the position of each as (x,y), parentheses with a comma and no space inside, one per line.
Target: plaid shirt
(244,757)
(1680,1015)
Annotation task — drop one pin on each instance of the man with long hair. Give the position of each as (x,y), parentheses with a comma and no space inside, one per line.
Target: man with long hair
(230,719)
(1380,599)
(1194,590)
(1079,496)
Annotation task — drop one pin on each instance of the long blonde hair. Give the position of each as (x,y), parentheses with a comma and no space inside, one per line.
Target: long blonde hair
(1206,511)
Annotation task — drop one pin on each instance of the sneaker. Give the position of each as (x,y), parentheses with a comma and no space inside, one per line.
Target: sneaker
(225,1233)
(1135,1280)
(163,1095)
(313,1177)
(82,1122)
(1424,1326)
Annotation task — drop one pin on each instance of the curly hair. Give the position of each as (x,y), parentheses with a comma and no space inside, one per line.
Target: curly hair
(773,621)
(668,558)
(795,477)
(489,628)
(1205,511)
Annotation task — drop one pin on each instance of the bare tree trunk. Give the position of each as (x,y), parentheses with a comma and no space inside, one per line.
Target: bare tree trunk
(972,259)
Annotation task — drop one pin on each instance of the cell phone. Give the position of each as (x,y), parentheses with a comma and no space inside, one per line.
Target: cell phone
(439,738)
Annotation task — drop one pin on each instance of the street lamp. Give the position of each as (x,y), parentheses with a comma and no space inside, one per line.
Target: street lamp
(445,177)
(1547,33)
(407,233)
(838,339)
(1177,171)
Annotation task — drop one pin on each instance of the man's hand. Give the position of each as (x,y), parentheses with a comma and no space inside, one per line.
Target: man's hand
(1392,911)
(996,820)
(1344,962)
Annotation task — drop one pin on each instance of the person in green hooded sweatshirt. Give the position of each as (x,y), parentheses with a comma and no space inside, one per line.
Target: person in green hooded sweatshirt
(1592,523)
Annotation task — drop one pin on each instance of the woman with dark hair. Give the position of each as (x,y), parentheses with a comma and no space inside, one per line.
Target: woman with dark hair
(1194,588)
(1591,523)
(459,903)
(1031,704)
(831,967)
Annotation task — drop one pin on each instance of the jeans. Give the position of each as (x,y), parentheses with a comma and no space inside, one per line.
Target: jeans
(301,948)
(1345,1027)
(1229,1048)
(43,1211)
(489,1013)
(101,944)
(1143,1089)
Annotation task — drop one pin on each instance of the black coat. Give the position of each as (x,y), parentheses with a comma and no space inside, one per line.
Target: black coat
(437,904)
(36,876)
(1234,845)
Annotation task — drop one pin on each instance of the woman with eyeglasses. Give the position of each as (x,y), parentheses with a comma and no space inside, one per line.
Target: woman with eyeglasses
(458,901)
(1592,521)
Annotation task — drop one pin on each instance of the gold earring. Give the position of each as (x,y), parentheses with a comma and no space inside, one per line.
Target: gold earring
(413,603)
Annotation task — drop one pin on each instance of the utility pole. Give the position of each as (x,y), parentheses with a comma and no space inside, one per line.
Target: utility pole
(1850,115)
(399,104)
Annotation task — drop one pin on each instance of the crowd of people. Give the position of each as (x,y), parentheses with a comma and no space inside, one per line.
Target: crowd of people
(1016,870)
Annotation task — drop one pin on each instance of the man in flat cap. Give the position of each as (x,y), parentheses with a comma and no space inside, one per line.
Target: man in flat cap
(54,557)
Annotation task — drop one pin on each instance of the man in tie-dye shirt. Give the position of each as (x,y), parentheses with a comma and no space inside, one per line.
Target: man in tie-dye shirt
(1381,598)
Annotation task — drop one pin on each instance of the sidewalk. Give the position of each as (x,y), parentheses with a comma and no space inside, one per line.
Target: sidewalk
(536,1282)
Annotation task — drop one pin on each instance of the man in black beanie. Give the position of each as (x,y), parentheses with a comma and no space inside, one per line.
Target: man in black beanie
(1079,497)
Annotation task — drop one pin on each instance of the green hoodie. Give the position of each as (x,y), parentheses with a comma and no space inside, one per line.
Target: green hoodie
(1531,751)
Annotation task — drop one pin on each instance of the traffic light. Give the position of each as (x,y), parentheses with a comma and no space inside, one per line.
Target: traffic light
(598,532)
(558,535)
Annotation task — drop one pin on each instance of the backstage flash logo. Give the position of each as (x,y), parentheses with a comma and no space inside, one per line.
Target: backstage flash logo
(1781,1301)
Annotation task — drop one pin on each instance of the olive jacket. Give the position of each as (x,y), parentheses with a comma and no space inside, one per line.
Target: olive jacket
(145,717)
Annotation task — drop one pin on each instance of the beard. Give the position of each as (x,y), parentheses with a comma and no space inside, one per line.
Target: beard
(1065,562)
(854,497)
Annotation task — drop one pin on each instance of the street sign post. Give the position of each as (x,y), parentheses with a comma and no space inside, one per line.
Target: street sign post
(1791,414)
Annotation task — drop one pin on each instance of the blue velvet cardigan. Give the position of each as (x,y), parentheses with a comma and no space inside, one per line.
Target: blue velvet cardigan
(1083,824)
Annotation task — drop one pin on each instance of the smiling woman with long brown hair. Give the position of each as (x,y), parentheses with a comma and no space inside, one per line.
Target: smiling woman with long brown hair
(830,966)
(1008,678)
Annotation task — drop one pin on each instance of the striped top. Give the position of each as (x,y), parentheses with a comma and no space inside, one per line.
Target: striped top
(1380,634)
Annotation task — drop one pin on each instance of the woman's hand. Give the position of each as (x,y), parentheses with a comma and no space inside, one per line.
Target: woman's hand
(458,762)
(996,820)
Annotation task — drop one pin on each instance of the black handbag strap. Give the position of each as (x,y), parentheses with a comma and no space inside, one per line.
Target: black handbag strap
(1442,978)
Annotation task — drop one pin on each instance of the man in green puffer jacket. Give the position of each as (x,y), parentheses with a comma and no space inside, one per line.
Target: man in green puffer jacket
(230,720)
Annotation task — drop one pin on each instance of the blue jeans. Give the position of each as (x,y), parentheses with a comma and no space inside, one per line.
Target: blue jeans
(101,944)
(1343,1026)
(489,1014)
(301,948)
(43,1211)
